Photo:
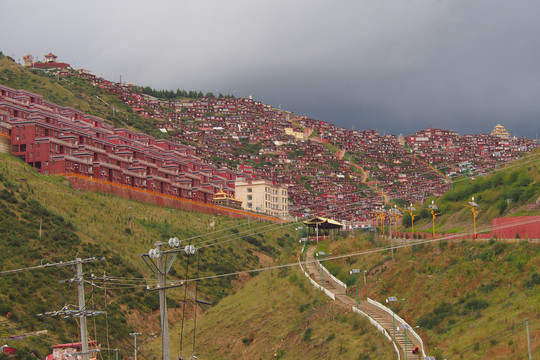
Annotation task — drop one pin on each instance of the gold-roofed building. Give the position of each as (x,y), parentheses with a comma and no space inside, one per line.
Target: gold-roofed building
(223,199)
(500,131)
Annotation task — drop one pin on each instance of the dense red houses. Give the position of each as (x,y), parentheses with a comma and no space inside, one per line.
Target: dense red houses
(61,140)
(325,168)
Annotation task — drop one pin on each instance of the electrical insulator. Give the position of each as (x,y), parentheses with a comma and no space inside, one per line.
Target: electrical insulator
(190,249)
(174,242)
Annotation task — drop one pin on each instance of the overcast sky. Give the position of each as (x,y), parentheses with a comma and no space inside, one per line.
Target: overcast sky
(396,66)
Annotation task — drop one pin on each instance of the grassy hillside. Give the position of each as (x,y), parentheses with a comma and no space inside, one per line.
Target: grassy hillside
(279,315)
(470,299)
(75,223)
(513,190)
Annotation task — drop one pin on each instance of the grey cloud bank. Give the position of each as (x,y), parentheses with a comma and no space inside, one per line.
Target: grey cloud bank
(395,66)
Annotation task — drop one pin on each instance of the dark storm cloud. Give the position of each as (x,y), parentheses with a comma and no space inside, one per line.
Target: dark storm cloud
(395,66)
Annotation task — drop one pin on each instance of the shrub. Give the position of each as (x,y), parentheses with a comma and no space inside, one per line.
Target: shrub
(308,334)
(247,340)
(475,305)
(438,314)
(535,280)
(4,308)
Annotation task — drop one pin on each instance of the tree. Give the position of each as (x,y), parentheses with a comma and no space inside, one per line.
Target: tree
(407,220)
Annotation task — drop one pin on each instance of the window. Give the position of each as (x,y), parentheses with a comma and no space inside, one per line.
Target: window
(249,197)
(249,190)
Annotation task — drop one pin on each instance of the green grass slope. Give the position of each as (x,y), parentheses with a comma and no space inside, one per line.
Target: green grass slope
(513,190)
(470,299)
(84,224)
(280,315)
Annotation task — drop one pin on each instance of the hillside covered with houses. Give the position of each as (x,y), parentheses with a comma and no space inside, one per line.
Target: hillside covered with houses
(209,142)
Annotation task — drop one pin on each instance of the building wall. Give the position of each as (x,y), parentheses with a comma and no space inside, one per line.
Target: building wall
(263,197)
(5,145)
(527,227)
(89,184)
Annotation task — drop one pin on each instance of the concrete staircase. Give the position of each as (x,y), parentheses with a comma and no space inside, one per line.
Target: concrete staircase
(383,318)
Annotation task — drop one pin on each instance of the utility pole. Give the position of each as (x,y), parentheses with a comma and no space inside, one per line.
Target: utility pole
(135,334)
(161,267)
(163,306)
(528,339)
(82,309)
(82,312)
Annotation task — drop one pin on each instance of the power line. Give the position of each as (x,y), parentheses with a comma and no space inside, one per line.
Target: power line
(368,252)
(48,265)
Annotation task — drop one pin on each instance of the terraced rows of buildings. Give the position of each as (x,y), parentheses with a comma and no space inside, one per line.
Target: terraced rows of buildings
(216,140)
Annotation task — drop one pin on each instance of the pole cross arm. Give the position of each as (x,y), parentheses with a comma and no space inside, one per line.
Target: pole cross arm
(169,260)
(148,288)
(83,353)
(61,263)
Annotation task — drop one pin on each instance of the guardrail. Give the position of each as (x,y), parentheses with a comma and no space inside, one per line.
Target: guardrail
(371,320)
(328,293)
(399,319)
(341,283)
(379,327)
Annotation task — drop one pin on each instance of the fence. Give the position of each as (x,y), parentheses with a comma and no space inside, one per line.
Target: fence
(341,283)
(330,295)
(379,327)
(399,319)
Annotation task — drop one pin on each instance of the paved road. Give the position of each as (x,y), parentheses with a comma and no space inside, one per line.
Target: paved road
(382,317)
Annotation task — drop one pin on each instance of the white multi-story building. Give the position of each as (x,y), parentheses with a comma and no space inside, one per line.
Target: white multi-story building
(262,196)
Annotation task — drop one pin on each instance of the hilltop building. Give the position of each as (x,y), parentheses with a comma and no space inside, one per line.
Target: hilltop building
(50,62)
(500,131)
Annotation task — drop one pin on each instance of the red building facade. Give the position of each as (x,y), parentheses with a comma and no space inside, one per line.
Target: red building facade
(61,140)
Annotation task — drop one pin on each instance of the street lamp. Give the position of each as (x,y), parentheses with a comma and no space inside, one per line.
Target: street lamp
(356,272)
(397,215)
(304,251)
(383,218)
(365,271)
(475,212)
(433,207)
(393,299)
(321,254)
(411,210)
(405,327)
